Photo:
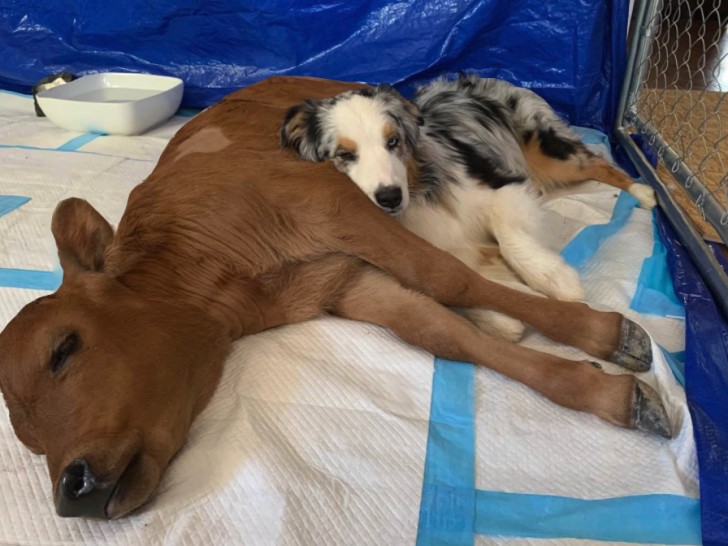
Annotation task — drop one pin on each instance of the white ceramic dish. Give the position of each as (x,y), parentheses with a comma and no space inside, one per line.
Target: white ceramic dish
(112,103)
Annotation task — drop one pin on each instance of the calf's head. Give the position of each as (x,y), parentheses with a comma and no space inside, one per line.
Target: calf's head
(101,380)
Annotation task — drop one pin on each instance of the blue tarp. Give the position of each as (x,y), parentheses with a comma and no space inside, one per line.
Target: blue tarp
(570,51)
(706,384)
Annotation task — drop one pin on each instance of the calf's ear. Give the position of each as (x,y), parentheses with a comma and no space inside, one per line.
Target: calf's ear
(82,236)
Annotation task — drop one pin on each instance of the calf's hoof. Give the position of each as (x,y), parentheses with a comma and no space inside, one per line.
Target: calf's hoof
(634,350)
(648,413)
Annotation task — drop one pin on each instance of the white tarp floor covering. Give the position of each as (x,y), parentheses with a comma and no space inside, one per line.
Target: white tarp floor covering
(318,432)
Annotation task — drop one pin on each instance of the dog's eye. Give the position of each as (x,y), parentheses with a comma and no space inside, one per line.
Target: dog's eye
(63,350)
(392,143)
(345,156)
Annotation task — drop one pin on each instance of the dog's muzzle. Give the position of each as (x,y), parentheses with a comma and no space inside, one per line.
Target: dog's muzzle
(389,198)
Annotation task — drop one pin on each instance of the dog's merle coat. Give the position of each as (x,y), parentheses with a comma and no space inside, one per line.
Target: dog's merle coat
(470,157)
(476,123)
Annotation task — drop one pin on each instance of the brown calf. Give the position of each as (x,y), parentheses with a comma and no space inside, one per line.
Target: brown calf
(230,236)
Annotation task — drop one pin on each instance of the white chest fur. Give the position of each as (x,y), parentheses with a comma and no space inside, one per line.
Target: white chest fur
(460,217)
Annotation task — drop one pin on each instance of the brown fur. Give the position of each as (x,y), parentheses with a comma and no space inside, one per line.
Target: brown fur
(490,255)
(549,172)
(346,144)
(389,131)
(227,240)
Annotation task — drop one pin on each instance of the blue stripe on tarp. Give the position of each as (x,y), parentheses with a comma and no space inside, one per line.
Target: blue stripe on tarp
(655,294)
(447,508)
(676,361)
(26,147)
(8,203)
(586,243)
(30,279)
(25,278)
(650,519)
(40,149)
(452,511)
(77,142)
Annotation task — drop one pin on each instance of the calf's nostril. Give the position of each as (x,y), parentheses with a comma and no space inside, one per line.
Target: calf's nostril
(80,493)
(77,480)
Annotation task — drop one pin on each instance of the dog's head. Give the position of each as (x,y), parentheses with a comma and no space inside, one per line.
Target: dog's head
(101,380)
(370,135)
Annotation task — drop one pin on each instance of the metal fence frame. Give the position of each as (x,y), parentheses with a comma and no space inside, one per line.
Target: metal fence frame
(629,118)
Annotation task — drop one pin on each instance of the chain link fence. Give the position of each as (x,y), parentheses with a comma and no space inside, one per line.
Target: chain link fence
(675,98)
(678,98)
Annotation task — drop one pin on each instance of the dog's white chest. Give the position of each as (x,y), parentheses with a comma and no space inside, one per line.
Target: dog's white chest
(459,217)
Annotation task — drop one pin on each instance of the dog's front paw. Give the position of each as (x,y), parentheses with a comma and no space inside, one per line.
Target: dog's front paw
(644,194)
(559,281)
(496,324)
(566,285)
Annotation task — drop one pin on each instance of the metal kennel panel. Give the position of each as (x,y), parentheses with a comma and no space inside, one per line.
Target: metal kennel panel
(674,96)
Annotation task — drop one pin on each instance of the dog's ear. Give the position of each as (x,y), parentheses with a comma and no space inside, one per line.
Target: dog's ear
(406,114)
(82,236)
(302,132)
(409,106)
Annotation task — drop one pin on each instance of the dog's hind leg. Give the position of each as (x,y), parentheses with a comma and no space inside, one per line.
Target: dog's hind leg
(557,159)
(377,298)
(358,228)
(486,260)
(514,215)
(495,324)
(554,154)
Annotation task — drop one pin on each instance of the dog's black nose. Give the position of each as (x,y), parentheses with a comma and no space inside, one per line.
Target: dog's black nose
(389,197)
(80,493)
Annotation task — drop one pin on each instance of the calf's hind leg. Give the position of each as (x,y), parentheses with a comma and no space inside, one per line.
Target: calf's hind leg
(620,399)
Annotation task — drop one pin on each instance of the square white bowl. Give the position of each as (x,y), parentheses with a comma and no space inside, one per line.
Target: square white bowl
(112,103)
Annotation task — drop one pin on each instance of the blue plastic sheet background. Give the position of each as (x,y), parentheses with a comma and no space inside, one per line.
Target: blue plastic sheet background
(706,384)
(570,51)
